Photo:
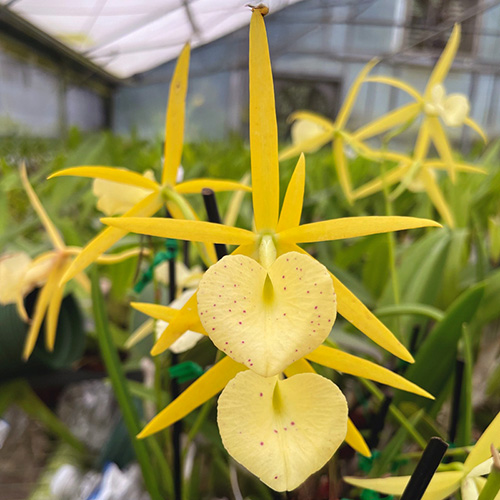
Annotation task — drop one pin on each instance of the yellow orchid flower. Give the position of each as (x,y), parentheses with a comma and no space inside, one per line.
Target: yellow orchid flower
(270,278)
(434,105)
(149,195)
(311,131)
(416,174)
(47,270)
(467,477)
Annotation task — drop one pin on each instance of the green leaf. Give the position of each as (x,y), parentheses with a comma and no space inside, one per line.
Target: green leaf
(435,359)
(464,430)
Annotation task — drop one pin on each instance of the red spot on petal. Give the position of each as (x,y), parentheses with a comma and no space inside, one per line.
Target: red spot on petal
(275,431)
(242,341)
(244,311)
(262,443)
(284,428)
(315,307)
(283,277)
(261,394)
(227,343)
(292,423)
(213,329)
(276,477)
(239,322)
(307,291)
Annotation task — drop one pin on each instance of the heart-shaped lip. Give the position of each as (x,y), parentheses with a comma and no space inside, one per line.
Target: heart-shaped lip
(282,430)
(267,319)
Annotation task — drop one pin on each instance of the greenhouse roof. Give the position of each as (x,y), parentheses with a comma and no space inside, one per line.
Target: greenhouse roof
(125,37)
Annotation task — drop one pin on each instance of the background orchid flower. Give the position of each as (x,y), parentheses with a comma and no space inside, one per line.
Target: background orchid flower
(467,477)
(434,106)
(416,173)
(47,270)
(150,195)
(311,131)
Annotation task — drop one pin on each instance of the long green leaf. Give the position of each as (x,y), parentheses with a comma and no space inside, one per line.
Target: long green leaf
(464,431)
(435,359)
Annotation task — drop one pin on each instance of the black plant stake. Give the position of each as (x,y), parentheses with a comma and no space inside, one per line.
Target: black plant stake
(213,216)
(426,467)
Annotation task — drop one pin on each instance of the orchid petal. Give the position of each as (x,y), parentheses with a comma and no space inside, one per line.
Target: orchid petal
(216,185)
(193,230)
(341,168)
(53,309)
(282,430)
(445,61)
(476,127)
(41,305)
(442,484)
(263,129)
(110,236)
(423,141)
(390,120)
(352,365)
(167,314)
(354,311)
(456,107)
(121,256)
(308,145)
(294,197)
(174,123)
(482,469)
(394,82)
(187,319)
(267,319)
(355,440)
(49,226)
(351,227)
(481,450)
(140,333)
(436,196)
(113,174)
(234,206)
(388,179)
(316,118)
(201,390)
(352,95)
(459,167)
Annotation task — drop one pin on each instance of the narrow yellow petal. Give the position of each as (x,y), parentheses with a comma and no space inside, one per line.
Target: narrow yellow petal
(313,117)
(388,179)
(234,206)
(342,168)
(359,367)
(423,141)
(481,450)
(394,118)
(299,366)
(443,147)
(282,430)
(42,303)
(140,333)
(54,308)
(52,231)
(476,127)
(165,313)
(386,485)
(174,123)
(263,129)
(115,258)
(193,230)
(187,319)
(436,196)
(267,318)
(294,197)
(352,95)
(445,61)
(216,185)
(113,174)
(459,167)
(355,440)
(110,236)
(351,227)
(201,390)
(354,311)
(309,145)
(394,82)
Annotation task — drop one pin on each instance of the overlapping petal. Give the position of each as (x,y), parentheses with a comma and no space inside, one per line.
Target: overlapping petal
(282,430)
(267,319)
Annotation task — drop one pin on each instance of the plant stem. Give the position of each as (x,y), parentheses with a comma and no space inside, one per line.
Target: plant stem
(112,362)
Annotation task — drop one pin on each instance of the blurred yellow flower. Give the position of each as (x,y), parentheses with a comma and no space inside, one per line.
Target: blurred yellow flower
(148,194)
(467,476)
(46,271)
